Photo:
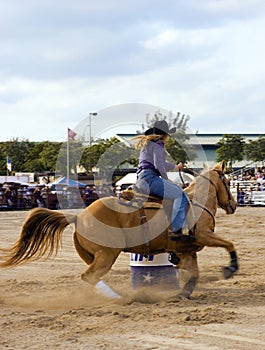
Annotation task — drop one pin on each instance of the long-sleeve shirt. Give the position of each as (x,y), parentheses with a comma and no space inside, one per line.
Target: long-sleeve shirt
(153,156)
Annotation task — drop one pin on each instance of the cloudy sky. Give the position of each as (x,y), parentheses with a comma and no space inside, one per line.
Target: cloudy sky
(61,60)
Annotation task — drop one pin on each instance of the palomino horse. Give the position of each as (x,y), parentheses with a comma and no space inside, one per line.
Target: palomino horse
(107,227)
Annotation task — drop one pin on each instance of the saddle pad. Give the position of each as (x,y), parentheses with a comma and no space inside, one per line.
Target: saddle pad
(129,195)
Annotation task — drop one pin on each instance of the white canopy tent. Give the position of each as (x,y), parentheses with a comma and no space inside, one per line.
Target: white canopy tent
(130,178)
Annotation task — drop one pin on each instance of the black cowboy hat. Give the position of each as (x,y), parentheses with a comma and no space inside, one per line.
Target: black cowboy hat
(160,128)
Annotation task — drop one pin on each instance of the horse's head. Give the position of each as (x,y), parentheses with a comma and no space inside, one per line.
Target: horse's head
(224,196)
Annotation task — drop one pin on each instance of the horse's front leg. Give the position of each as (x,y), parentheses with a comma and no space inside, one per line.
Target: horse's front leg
(210,239)
(188,262)
(229,271)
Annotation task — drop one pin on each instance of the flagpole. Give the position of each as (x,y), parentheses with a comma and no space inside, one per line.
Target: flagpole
(70,137)
(67,159)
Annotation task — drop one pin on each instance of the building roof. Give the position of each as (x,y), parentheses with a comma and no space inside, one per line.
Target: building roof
(194,139)
(206,147)
(212,139)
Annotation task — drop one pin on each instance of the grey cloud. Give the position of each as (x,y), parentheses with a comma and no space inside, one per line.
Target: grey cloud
(52,40)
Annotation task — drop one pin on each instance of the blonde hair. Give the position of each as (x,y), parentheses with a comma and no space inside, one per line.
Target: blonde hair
(143,140)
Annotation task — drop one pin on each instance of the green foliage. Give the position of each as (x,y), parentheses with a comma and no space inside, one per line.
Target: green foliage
(179,150)
(3,156)
(48,156)
(92,154)
(43,156)
(231,148)
(107,155)
(27,156)
(18,152)
(255,150)
(76,150)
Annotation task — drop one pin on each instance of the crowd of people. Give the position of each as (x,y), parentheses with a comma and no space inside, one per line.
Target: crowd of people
(254,174)
(20,197)
(249,185)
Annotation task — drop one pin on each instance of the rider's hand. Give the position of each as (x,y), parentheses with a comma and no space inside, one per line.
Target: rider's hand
(179,166)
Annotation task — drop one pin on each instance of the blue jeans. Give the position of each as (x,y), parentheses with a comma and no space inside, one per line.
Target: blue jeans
(149,182)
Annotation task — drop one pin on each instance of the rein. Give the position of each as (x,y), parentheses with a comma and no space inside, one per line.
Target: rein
(216,189)
(197,204)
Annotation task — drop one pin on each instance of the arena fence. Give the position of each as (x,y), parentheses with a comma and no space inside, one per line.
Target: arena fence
(248,193)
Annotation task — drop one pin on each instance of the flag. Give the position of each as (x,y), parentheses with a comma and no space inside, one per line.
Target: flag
(71,135)
(8,164)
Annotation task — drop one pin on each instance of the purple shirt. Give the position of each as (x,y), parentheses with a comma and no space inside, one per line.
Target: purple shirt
(153,156)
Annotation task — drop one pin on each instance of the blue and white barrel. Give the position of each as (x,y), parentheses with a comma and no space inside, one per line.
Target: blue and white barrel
(153,270)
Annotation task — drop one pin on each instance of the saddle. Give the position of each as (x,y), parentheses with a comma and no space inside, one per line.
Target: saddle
(132,194)
(132,197)
(141,200)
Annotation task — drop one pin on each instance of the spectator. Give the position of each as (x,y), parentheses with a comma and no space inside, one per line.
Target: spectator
(37,197)
(241,197)
(9,198)
(44,195)
(260,187)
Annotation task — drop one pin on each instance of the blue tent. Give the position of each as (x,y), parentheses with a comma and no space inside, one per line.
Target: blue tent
(71,182)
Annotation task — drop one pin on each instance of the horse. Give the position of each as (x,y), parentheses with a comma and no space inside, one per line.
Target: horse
(109,226)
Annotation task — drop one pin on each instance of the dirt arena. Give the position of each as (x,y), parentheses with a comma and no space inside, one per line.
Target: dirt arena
(46,305)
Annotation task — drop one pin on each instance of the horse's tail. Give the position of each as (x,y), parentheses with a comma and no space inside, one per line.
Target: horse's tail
(41,235)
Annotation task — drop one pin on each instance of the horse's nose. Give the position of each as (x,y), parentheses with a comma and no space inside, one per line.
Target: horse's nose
(231,208)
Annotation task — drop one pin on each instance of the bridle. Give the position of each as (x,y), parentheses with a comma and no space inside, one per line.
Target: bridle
(227,205)
(222,178)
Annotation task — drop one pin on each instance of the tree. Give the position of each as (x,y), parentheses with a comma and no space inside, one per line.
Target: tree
(43,156)
(178,120)
(76,151)
(37,157)
(3,159)
(92,154)
(230,149)
(255,150)
(17,151)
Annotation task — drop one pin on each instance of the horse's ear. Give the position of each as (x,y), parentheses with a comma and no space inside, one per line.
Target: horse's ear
(221,166)
(205,166)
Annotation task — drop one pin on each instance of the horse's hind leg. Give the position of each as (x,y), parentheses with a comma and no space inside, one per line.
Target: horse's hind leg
(82,252)
(188,262)
(102,263)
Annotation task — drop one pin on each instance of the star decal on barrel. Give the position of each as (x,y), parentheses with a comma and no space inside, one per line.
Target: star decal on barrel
(148,278)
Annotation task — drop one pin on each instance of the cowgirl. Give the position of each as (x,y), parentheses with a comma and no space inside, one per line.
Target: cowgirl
(152,175)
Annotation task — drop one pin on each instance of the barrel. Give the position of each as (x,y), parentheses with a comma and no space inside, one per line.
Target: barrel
(153,270)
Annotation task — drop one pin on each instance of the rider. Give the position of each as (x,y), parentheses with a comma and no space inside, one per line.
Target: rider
(152,175)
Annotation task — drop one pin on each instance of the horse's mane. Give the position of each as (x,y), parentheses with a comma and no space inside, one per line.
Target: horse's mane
(191,188)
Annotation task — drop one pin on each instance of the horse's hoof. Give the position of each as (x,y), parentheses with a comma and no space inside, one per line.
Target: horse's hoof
(173,258)
(83,277)
(229,271)
(184,295)
(174,299)
(105,290)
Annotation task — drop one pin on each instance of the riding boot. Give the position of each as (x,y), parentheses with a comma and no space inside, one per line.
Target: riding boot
(179,236)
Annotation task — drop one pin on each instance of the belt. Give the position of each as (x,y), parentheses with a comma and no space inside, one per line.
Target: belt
(146,170)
